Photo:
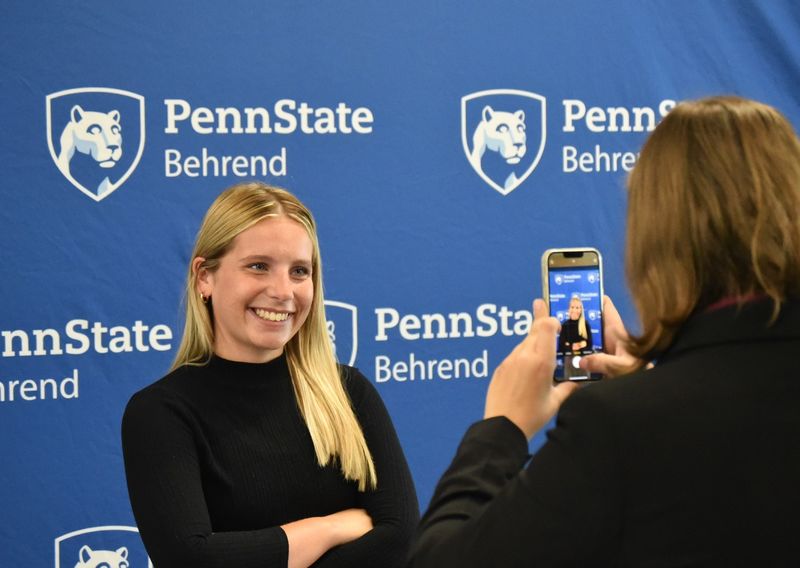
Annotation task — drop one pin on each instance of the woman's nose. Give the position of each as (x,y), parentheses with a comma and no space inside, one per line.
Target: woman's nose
(280,287)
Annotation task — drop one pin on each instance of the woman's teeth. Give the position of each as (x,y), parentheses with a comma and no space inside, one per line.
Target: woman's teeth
(271,316)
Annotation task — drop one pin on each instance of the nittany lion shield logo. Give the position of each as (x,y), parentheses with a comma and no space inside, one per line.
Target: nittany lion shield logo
(102,547)
(503,132)
(96,137)
(342,322)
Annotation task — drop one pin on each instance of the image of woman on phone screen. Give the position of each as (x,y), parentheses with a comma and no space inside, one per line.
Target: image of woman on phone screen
(575,337)
(258,449)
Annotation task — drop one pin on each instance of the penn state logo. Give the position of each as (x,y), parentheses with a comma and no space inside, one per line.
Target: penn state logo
(558,279)
(503,132)
(342,323)
(101,547)
(96,137)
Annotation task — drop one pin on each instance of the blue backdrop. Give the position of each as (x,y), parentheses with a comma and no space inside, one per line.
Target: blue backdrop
(402,125)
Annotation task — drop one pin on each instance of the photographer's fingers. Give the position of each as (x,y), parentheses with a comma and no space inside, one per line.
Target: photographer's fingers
(539,310)
(560,393)
(608,365)
(522,385)
(543,329)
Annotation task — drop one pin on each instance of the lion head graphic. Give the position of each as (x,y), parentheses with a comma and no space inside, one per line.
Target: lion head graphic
(89,558)
(501,132)
(95,134)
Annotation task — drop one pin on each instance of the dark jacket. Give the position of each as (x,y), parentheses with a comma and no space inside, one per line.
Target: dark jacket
(693,463)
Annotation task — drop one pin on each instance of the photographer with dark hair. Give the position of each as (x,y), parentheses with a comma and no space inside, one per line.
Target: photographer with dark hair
(696,461)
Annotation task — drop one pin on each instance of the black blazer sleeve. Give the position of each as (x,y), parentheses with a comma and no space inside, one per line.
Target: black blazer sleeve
(562,510)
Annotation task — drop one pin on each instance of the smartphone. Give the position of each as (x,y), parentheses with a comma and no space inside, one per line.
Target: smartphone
(572,281)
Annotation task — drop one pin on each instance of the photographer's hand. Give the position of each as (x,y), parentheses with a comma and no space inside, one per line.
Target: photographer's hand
(522,387)
(615,360)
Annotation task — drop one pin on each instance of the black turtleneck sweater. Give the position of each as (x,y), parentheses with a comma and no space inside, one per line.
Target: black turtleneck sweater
(569,335)
(217,457)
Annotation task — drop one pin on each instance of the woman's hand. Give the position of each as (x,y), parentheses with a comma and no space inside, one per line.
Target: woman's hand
(522,387)
(311,538)
(349,524)
(614,360)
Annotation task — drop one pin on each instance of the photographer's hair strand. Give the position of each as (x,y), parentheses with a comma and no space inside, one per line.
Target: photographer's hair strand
(713,213)
(318,386)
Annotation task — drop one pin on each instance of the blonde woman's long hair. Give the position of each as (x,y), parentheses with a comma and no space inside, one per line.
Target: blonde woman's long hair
(318,386)
(713,213)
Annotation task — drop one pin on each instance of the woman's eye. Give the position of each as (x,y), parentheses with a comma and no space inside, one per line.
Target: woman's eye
(300,272)
(260,266)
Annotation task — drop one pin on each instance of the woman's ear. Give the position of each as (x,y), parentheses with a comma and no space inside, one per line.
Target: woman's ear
(202,277)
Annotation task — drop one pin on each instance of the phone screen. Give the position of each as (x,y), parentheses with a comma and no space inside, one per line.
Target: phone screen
(575,296)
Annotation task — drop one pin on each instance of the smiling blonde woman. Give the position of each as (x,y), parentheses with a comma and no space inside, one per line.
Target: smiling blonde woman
(257,449)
